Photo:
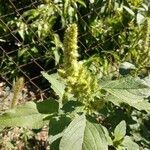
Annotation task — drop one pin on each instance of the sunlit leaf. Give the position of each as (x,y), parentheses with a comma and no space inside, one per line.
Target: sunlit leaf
(128,90)
(29,115)
(56,83)
(83,135)
(120,131)
(140,18)
(128,144)
(130,11)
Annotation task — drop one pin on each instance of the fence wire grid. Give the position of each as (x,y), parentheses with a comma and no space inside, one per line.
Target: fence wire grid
(30,68)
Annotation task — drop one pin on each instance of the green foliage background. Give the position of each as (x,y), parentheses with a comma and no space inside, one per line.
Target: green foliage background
(110,33)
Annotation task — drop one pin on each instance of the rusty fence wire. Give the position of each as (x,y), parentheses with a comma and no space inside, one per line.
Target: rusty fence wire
(32,67)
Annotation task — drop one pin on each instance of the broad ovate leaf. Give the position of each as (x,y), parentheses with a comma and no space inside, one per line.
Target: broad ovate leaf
(82,134)
(129,90)
(56,83)
(128,144)
(127,65)
(140,18)
(120,131)
(29,115)
(94,137)
(109,140)
(74,134)
(57,125)
(125,68)
(146,80)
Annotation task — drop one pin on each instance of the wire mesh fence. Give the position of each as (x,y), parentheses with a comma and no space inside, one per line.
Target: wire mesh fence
(26,48)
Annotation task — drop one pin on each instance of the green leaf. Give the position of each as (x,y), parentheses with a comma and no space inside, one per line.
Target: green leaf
(66,6)
(57,41)
(73,135)
(120,131)
(57,56)
(58,45)
(53,138)
(83,135)
(21,33)
(56,83)
(23,116)
(146,80)
(48,106)
(57,126)
(81,2)
(127,65)
(94,137)
(140,18)
(131,91)
(73,106)
(31,14)
(29,115)
(22,51)
(128,144)
(109,140)
(131,12)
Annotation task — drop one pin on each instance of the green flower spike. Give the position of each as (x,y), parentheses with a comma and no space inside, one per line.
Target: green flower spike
(80,82)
